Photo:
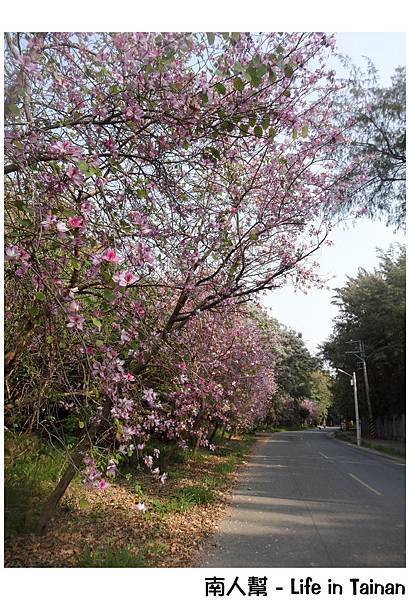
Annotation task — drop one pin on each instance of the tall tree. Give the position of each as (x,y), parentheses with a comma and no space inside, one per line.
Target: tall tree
(372,309)
(151,178)
(376,126)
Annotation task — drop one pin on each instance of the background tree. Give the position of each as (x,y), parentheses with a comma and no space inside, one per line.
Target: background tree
(294,371)
(372,309)
(376,126)
(321,383)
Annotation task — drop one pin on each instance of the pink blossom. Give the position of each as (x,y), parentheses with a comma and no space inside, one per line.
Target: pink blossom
(140,507)
(61,227)
(102,484)
(75,321)
(27,64)
(65,148)
(124,278)
(163,478)
(112,469)
(76,222)
(129,377)
(12,253)
(75,176)
(49,220)
(110,256)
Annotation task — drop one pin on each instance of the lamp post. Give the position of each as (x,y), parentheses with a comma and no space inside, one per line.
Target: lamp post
(356,405)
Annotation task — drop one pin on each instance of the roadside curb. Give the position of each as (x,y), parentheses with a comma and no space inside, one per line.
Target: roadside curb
(385,454)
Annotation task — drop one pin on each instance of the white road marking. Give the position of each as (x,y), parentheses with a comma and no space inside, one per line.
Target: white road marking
(365,484)
(324,455)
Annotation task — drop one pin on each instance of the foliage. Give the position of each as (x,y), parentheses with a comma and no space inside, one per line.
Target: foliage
(295,365)
(372,309)
(376,126)
(321,392)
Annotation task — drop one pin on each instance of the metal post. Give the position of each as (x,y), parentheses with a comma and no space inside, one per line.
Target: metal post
(366,382)
(362,357)
(356,409)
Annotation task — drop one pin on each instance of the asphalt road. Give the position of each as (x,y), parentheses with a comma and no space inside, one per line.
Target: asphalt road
(306,499)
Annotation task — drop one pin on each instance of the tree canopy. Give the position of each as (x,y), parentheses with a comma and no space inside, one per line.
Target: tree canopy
(376,126)
(372,309)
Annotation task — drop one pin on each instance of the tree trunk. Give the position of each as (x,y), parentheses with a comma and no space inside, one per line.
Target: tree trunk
(213,434)
(75,463)
(53,500)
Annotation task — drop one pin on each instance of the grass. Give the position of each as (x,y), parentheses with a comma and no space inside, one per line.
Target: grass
(195,481)
(31,468)
(372,445)
(108,557)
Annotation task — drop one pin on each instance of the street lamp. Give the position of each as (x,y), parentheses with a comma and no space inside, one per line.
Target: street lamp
(356,405)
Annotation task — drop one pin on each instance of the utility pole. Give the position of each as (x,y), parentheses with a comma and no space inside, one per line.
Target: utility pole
(360,354)
(356,404)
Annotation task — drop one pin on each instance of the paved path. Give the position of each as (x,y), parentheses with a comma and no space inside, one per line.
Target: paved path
(305,499)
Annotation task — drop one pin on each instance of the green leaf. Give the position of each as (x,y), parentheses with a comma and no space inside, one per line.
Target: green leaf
(229,126)
(141,193)
(235,36)
(272,76)
(109,295)
(215,152)
(82,165)
(252,75)
(220,88)
(81,424)
(99,343)
(265,122)
(96,322)
(294,134)
(40,296)
(211,37)
(272,133)
(238,84)
(14,109)
(305,131)
(243,128)
(203,97)
(288,71)
(75,263)
(261,70)
(258,131)
(252,121)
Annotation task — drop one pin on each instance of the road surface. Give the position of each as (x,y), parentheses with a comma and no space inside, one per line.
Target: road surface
(305,499)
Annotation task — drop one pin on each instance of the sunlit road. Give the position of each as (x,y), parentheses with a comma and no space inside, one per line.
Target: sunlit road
(305,499)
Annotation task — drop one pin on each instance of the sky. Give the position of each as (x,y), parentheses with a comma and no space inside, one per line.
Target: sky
(354,242)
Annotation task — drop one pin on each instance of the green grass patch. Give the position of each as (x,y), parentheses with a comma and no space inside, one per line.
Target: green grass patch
(227,467)
(31,469)
(108,557)
(182,500)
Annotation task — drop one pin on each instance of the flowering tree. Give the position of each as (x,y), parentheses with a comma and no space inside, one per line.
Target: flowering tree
(149,179)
